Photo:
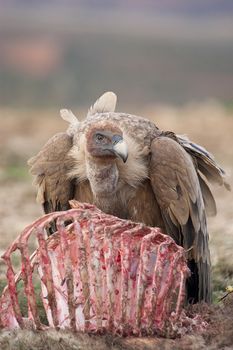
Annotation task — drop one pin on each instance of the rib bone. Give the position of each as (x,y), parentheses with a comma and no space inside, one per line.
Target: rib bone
(97,273)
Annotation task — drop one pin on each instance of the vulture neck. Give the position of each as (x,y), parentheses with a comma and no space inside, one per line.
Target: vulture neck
(103,176)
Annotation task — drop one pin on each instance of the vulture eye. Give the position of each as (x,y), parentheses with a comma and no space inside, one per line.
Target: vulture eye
(100,138)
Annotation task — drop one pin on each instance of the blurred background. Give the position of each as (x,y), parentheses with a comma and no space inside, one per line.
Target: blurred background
(170,61)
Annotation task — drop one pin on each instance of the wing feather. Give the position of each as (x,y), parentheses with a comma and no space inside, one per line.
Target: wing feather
(205,162)
(50,167)
(176,186)
(209,201)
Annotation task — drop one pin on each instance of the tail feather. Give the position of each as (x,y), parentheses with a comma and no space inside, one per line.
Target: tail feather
(199,284)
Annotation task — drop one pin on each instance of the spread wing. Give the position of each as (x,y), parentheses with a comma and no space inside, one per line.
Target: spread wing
(177,190)
(50,167)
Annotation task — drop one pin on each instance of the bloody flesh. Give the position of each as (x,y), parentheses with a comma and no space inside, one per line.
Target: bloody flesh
(97,273)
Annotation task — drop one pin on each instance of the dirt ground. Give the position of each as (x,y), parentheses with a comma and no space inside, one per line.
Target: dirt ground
(22,133)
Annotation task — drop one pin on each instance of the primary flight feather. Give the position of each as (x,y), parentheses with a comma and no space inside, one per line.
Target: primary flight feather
(129,168)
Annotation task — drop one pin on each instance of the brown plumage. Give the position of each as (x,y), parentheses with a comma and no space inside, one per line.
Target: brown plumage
(129,168)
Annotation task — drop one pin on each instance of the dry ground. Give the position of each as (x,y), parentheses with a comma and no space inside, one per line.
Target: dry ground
(22,133)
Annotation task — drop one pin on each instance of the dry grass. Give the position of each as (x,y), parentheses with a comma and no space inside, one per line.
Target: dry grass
(218,335)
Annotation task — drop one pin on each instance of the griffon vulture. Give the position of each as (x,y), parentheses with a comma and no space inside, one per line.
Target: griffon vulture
(128,167)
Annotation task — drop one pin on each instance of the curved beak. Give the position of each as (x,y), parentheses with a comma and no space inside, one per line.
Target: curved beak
(120,149)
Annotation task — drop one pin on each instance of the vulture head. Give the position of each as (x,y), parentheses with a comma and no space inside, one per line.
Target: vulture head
(99,147)
(105,142)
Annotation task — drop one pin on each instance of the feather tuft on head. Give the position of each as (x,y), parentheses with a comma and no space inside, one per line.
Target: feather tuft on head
(106,103)
(69,117)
